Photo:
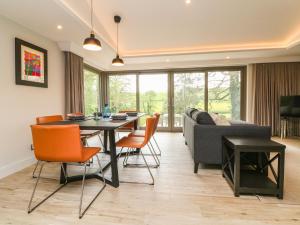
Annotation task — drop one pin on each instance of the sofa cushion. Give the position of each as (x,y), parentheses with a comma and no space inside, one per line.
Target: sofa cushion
(240,123)
(189,111)
(220,120)
(202,117)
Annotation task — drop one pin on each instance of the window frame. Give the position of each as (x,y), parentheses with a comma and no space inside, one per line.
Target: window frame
(170,72)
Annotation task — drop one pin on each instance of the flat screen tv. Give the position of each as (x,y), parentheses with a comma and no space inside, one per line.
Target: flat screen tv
(290,106)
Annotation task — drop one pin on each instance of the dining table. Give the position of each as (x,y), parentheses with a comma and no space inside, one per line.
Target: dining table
(109,127)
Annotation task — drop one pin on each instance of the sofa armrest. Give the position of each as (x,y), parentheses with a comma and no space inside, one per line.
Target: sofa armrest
(208,139)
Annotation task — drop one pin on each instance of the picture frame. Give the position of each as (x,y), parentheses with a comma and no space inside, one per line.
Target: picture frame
(31,64)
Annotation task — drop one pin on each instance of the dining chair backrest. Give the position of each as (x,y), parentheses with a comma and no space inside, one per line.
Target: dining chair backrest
(49,119)
(149,130)
(57,143)
(157,116)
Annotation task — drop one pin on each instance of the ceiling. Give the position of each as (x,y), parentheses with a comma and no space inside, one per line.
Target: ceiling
(168,33)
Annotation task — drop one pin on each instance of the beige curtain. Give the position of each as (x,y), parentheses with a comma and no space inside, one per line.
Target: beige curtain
(104,89)
(74,93)
(269,81)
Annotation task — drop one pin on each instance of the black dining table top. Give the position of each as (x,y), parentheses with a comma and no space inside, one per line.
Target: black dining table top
(101,124)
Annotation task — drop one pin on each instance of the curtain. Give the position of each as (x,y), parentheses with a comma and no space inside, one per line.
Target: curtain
(269,81)
(74,92)
(104,89)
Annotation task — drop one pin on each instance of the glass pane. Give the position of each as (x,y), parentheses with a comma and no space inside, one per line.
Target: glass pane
(122,92)
(189,91)
(154,97)
(224,93)
(91,92)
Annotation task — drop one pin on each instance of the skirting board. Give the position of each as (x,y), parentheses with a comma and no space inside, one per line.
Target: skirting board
(16,166)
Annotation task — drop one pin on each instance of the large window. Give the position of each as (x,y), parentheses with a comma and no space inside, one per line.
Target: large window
(91,91)
(217,90)
(122,92)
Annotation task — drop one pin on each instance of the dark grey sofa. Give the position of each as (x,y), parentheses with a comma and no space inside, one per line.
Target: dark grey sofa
(205,140)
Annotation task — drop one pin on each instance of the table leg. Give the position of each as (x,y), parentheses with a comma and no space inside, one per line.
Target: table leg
(280,174)
(105,141)
(113,158)
(237,173)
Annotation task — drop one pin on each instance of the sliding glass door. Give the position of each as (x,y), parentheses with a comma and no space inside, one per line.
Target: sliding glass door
(153,97)
(189,91)
(122,92)
(224,93)
(170,93)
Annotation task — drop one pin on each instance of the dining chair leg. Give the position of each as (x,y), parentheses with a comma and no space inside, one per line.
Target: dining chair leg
(81,213)
(35,168)
(156,153)
(153,155)
(126,157)
(147,167)
(100,139)
(157,145)
(35,187)
(120,153)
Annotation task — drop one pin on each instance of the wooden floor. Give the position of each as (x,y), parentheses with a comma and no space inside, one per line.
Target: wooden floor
(178,197)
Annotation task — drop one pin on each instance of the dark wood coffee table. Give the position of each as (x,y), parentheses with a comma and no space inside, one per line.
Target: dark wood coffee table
(252,178)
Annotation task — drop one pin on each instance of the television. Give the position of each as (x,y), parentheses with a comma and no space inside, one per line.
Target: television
(290,106)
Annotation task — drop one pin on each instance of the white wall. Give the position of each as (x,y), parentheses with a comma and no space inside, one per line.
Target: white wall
(19,105)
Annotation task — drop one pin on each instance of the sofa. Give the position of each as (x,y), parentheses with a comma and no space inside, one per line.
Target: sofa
(203,135)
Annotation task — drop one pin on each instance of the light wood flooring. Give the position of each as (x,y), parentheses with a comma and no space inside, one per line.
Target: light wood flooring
(178,197)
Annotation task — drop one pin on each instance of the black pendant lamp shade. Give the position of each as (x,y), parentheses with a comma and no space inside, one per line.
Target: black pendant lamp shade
(92,43)
(117,61)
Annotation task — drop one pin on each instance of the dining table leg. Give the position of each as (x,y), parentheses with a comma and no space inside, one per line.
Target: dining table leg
(105,141)
(114,160)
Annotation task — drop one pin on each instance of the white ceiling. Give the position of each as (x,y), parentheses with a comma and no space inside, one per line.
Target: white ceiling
(169,33)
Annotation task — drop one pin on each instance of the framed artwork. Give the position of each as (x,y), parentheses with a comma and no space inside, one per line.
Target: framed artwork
(31,64)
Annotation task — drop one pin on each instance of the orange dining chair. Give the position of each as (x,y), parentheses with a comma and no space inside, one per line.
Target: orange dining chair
(61,143)
(41,120)
(141,133)
(86,134)
(132,143)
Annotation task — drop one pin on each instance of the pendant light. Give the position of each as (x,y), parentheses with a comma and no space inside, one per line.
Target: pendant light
(92,43)
(117,61)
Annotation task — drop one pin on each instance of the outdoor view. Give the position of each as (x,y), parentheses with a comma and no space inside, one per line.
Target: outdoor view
(154,96)
(188,92)
(91,92)
(224,93)
(122,92)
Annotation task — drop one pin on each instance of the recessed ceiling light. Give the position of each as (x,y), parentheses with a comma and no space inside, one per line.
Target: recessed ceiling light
(60,27)
(227,57)
(167,60)
(188,1)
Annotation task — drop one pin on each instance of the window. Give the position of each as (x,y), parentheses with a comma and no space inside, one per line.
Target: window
(217,90)
(224,93)
(189,91)
(153,90)
(122,92)
(91,91)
